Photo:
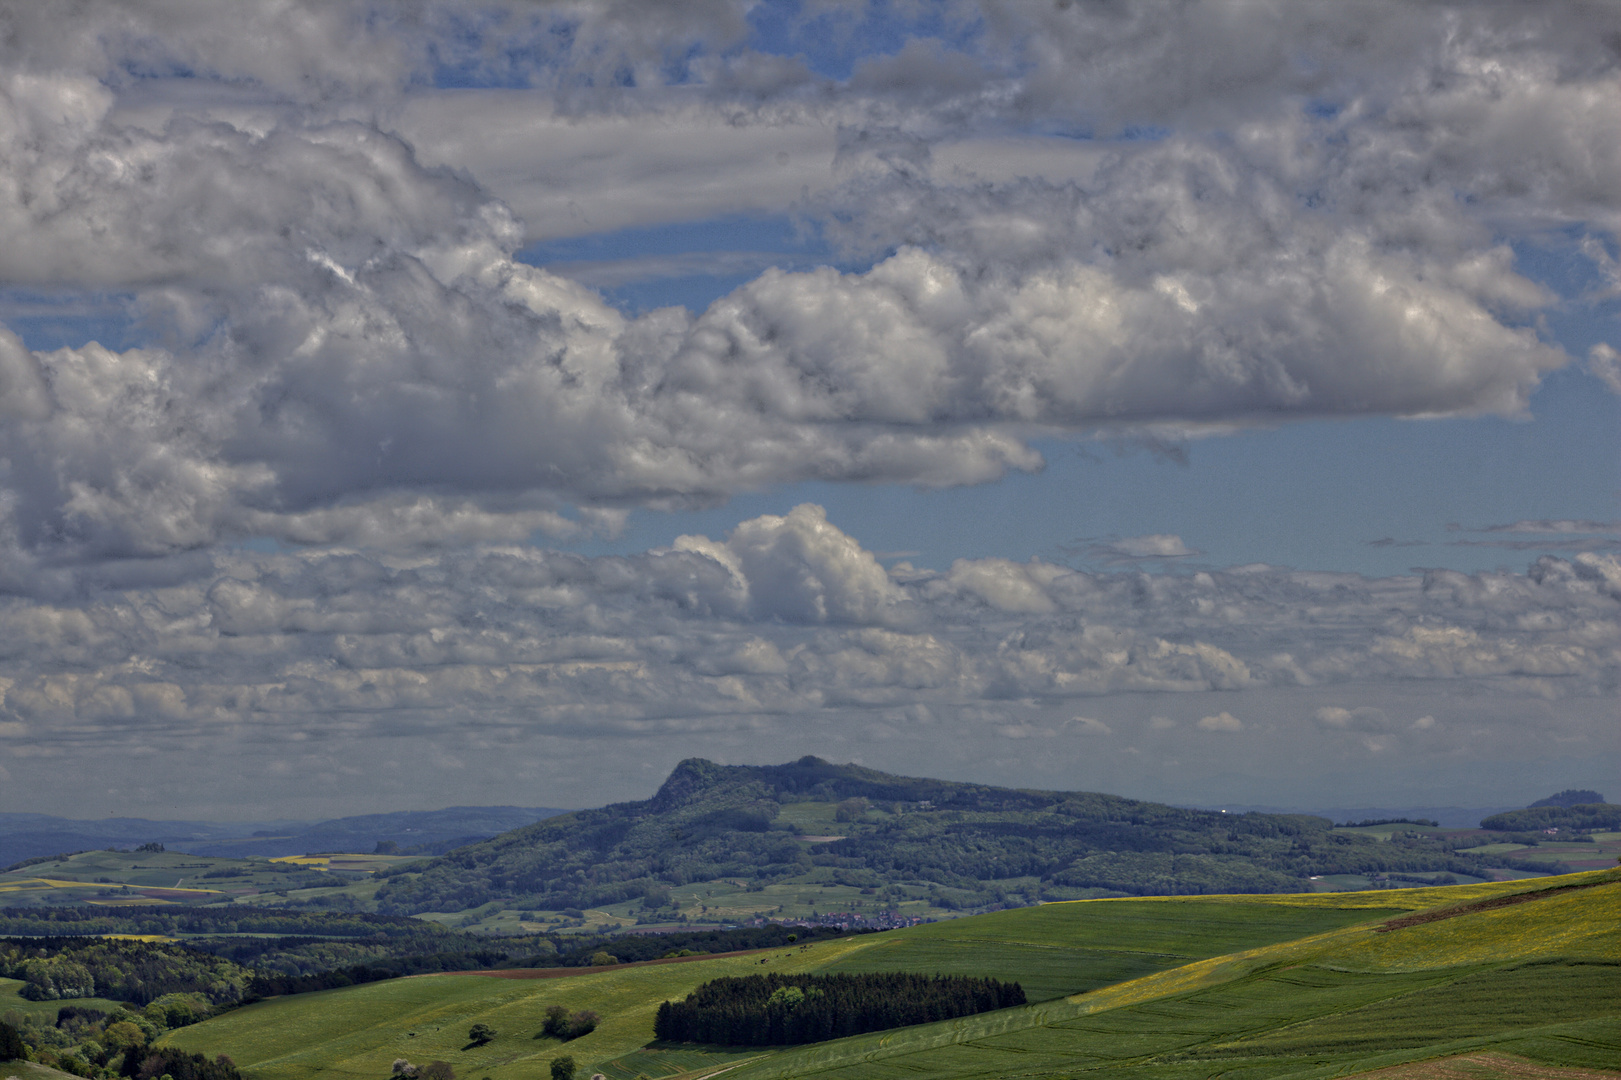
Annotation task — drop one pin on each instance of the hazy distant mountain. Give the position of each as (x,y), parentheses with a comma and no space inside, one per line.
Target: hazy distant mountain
(428,832)
(1451,817)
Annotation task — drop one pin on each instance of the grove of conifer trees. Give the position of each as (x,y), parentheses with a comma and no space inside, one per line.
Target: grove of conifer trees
(777,1010)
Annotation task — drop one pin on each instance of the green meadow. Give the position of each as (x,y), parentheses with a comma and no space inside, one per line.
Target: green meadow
(1307,985)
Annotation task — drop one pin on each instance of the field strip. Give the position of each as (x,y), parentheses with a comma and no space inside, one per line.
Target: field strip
(1487,904)
(566,972)
(1484,1066)
(1002,943)
(709,1071)
(1208,972)
(1489,1046)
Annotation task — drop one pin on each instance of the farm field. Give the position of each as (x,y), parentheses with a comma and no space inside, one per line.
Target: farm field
(1248,986)
(1482,1066)
(124,878)
(1553,851)
(721,902)
(1602,852)
(119,879)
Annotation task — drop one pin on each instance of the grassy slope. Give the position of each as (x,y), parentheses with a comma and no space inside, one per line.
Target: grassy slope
(1243,981)
(1054,950)
(1319,1006)
(1068,948)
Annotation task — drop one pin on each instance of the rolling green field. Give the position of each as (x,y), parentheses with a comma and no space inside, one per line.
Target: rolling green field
(1301,985)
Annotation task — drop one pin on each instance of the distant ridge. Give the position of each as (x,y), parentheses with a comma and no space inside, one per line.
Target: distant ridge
(427,832)
(1448,817)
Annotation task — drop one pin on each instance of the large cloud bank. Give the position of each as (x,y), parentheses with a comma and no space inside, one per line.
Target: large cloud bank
(345,348)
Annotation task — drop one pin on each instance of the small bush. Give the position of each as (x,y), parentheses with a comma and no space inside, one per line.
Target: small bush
(560,1024)
(11,1044)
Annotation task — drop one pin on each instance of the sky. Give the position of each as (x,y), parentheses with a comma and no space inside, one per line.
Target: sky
(416,404)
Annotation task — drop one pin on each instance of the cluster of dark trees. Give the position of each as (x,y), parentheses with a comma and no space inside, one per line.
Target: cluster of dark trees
(11,1044)
(776,1010)
(713,821)
(270,984)
(170,1061)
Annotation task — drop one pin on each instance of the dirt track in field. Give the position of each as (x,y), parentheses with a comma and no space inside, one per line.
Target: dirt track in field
(1483,1067)
(1485,905)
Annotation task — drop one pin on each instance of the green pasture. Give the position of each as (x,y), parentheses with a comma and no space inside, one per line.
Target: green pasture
(1304,1021)
(359,1031)
(1323,1005)
(725,901)
(1071,947)
(1054,950)
(1179,988)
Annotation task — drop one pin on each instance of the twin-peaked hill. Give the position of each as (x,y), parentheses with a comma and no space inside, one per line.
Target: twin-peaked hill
(966,845)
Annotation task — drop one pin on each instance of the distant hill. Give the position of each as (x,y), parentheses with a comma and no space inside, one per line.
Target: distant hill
(970,845)
(424,832)
(1569,797)
(1582,817)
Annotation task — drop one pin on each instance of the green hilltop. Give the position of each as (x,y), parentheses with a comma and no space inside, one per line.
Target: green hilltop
(860,833)
(1167,988)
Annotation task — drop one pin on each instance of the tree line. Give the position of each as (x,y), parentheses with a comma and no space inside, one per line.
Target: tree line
(54,969)
(229,919)
(778,1010)
(93,1043)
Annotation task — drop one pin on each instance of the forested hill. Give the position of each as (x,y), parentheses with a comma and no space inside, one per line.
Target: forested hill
(977,845)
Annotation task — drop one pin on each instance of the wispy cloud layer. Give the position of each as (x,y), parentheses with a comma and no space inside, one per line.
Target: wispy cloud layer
(785,628)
